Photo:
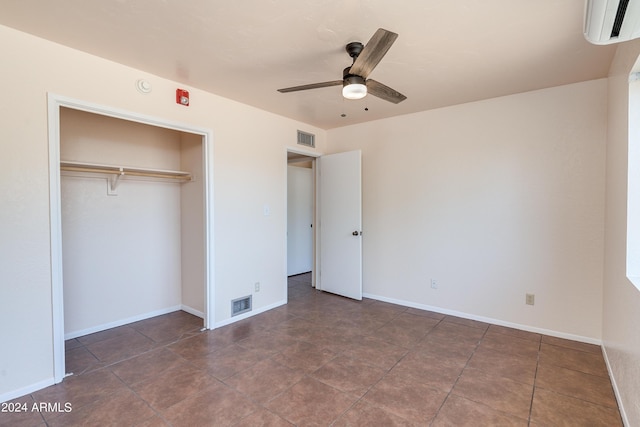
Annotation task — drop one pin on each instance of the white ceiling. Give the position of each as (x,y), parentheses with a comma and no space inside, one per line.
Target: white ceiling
(448,52)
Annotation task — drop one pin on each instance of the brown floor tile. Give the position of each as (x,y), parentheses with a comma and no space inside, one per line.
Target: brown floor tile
(349,375)
(303,356)
(81,390)
(323,359)
(363,414)
(501,394)
(399,335)
(311,403)
(297,328)
(169,327)
(273,318)
(411,400)
(381,310)
(552,409)
(515,333)
(146,366)
(172,386)
(455,332)
(154,421)
(121,347)
(466,322)
(576,384)
(564,357)
(582,346)
(425,313)
(521,369)
(71,344)
(446,347)
(263,418)
(331,339)
(228,361)
(218,405)
(460,412)
(120,408)
(20,413)
(436,372)
(415,322)
(267,342)
(241,330)
(264,380)
(510,345)
(375,352)
(362,323)
(201,344)
(105,335)
(80,360)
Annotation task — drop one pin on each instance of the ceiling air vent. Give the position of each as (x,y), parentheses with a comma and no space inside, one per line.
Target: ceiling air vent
(240,305)
(306,139)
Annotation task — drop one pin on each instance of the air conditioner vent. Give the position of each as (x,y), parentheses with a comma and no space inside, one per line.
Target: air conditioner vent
(306,139)
(617,23)
(611,21)
(240,305)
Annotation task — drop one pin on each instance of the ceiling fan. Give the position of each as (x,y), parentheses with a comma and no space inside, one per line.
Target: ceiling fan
(355,84)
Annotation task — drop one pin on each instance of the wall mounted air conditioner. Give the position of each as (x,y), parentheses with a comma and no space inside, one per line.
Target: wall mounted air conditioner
(612,21)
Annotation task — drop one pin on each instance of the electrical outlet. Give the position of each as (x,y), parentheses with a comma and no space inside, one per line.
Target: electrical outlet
(257,286)
(434,284)
(530,299)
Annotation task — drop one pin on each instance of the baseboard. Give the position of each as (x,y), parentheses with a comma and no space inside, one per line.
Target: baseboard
(120,322)
(13,394)
(616,391)
(490,320)
(192,310)
(249,314)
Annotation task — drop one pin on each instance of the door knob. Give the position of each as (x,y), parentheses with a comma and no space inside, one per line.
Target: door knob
(357,233)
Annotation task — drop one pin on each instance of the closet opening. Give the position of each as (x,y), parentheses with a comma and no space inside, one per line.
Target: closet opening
(130,210)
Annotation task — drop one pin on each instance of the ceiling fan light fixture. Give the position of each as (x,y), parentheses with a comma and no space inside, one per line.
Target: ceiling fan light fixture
(354,87)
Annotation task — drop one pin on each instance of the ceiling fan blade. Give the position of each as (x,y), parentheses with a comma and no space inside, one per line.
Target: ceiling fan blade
(373,52)
(384,92)
(311,86)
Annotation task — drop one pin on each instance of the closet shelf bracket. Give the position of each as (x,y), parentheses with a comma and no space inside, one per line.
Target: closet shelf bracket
(113,183)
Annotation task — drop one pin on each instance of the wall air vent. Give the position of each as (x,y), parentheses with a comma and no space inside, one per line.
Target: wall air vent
(240,305)
(306,139)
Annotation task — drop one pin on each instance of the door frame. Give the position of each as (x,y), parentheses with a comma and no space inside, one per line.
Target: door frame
(55,102)
(314,155)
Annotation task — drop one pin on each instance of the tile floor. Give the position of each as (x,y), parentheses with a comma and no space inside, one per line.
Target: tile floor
(324,360)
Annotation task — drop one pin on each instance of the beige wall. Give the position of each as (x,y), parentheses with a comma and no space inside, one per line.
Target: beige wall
(621,308)
(493,200)
(249,171)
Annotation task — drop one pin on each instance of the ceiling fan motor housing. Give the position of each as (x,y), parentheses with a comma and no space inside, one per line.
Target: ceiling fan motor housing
(349,79)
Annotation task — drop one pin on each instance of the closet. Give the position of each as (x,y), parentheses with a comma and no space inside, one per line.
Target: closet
(133,225)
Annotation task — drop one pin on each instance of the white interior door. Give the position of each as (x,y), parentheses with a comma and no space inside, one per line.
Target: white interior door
(299,220)
(340,225)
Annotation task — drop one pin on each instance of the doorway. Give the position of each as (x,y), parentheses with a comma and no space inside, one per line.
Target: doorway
(337,221)
(301,211)
(198,148)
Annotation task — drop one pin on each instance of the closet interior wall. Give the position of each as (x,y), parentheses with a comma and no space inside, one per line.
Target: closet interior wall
(140,252)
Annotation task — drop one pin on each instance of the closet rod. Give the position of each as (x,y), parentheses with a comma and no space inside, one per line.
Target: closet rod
(123,171)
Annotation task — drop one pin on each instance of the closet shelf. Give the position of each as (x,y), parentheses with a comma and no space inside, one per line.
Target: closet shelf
(119,171)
